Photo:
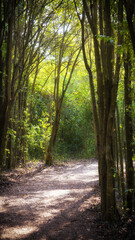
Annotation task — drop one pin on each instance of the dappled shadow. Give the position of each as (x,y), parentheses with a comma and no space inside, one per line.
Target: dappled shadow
(49,203)
(70,223)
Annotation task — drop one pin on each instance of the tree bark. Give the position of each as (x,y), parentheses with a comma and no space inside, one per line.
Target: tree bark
(7,101)
(121,158)
(129,133)
(130,11)
(49,154)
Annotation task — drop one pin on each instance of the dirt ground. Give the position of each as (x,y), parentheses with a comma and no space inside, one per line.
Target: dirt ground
(61,202)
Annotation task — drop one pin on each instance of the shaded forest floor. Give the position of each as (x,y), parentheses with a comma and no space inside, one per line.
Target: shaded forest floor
(61,202)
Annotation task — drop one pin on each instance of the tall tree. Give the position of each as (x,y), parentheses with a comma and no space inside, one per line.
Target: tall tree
(21,37)
(107,86)
(6,101)
(65,63)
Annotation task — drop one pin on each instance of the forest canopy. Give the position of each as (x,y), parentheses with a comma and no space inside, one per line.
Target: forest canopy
(67,88)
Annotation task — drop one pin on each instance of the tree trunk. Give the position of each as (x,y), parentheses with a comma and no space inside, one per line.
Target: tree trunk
(49,154)
(6,102)
(121,158)
(130,11)
(107,86)
(111,212)
(116,157)
(129,133)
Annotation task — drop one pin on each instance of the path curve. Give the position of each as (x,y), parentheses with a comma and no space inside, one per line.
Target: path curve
(45,206)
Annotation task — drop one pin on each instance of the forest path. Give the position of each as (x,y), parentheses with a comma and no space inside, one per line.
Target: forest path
(51,203)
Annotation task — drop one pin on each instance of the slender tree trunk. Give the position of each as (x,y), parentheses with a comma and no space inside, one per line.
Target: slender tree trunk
(33,88)
(49,157)
(130,11)
(121,158)
(9,163)
(58,98)
(110,196)
(129,133)
(116,157)
(6,103)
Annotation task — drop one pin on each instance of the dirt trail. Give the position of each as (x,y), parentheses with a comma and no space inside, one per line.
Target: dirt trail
(50,204)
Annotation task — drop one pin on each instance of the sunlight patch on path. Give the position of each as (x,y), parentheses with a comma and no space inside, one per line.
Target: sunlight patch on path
(18,232)
(42,197)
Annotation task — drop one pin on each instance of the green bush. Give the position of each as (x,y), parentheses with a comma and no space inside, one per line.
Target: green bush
(76,136)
